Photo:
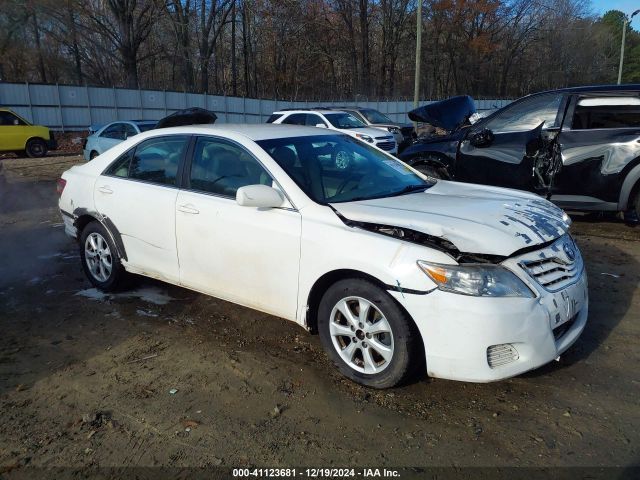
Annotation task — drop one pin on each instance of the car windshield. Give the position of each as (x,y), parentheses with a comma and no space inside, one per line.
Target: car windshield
(146,126)
(339,168)
(374,116)
(344,120)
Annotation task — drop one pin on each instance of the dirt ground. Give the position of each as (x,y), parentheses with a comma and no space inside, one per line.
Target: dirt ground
(162,376)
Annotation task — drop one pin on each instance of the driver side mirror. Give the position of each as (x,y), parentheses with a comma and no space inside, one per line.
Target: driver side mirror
(261,196)
(483,138)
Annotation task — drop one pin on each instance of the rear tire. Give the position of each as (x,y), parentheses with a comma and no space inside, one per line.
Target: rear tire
(374,342)
(100,259)
(36,148)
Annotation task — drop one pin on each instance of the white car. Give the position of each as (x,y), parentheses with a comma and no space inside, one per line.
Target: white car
(111,134)
(337,120)
(397,272)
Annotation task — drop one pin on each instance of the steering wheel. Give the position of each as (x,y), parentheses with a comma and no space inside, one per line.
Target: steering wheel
(344,184)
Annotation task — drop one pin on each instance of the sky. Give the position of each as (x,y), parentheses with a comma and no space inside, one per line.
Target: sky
(626,6)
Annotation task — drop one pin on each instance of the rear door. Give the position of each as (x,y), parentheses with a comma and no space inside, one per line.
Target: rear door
(111,136)
(599,143)
(501,159)
(243,254)
(137,194)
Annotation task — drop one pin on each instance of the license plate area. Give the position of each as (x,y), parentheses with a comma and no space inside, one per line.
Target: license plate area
(568,303)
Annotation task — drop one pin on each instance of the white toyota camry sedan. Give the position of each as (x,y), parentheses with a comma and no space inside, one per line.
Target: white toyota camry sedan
(397,273)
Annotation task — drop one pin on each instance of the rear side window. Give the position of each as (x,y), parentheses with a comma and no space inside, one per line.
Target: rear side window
(296,119)
(155,160)
(313,120)
(272,118)
(115,131)
(606,112)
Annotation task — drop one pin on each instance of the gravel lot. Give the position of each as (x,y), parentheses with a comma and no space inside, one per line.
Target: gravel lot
(86,380)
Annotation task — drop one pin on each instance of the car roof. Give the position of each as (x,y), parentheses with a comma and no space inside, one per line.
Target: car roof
(253,131)
(630,87)
(324,111)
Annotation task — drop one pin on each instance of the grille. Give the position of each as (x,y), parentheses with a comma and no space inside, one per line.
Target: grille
(386,145)
(499,355)
(386,137)
(555,272)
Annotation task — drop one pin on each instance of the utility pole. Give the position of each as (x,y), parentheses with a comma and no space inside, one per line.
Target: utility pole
(625,21)
(416,89)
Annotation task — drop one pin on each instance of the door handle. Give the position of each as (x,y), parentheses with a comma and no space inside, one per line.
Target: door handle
(105,189)
(188,208)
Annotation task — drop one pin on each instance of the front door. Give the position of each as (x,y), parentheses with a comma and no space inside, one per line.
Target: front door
(13,132)
(501,159)
(246,255)
(137,194)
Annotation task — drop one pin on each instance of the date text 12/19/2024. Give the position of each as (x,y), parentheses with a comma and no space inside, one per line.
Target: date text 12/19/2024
(315,473)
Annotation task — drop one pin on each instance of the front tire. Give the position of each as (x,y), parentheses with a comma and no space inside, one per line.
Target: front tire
(36,148)
(367,335)
(100,259)
(93,154)
(427,167)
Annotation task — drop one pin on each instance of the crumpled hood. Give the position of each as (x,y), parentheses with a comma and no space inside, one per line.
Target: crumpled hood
(448,114)
(475,218)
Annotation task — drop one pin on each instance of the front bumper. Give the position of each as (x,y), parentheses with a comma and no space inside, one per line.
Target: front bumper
(458,330)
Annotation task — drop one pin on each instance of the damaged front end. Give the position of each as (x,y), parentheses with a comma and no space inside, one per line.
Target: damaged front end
(546,159)
(424,239)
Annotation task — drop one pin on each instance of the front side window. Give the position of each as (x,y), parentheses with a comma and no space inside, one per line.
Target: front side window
(607,112)
(344,120)
(339,168)
(221,168)
(527,114)
(9,119)
(155,160)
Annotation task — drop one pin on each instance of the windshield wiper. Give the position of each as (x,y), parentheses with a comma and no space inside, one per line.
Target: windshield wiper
(409,189)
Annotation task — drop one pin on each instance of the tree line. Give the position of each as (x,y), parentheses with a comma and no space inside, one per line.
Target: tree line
(314,49)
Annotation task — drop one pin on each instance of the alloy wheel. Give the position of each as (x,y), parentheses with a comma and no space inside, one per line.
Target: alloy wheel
(98,257)
(361,335)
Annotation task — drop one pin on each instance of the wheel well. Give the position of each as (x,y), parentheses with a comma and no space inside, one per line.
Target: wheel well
(325,281)
(635,190)
(430,158)
(33,138)
(82,221)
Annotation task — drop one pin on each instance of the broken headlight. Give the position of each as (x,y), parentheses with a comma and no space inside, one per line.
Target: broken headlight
(476,280)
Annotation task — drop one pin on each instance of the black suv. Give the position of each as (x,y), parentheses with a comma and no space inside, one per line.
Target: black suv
(580,147)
